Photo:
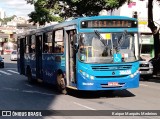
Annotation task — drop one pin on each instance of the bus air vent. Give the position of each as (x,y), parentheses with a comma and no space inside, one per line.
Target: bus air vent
(121,76)
(109,68)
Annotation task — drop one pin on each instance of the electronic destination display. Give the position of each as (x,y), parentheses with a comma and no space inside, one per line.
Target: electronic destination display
(109,23)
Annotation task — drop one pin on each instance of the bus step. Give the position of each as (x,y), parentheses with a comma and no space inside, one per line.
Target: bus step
(71,87)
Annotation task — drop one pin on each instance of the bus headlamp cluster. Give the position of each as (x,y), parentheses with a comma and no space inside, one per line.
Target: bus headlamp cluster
(87,75)
(133,75)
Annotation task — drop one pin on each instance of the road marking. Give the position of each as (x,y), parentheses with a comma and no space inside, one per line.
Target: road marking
(83,106)
(28,85)
(149,86)
(11,68)
(143,85)
(5,72)
(30,91)
(13,71)
(11,89)
(26,91)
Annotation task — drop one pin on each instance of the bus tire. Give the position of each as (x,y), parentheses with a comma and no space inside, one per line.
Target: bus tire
(61,83)
(29,76)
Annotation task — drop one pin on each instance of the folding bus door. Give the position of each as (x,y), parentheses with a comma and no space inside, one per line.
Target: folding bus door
(39,56)
(72,56)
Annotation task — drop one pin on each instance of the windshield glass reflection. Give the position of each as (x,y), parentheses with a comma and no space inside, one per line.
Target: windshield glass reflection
(100,47)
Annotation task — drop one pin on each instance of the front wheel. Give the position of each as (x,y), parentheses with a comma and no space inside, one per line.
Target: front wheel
(61,84)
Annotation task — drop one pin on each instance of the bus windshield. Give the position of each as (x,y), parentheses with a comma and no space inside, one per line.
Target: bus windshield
(99,47)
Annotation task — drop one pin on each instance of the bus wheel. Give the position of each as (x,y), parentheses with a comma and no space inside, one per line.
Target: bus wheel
(61,84)
(29,77)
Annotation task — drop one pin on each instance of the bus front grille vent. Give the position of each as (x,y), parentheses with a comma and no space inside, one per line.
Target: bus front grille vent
(110,68)
(121,76)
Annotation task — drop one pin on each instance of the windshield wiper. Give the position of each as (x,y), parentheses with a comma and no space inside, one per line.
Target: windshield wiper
(100,37)
(120,41)
(122,38)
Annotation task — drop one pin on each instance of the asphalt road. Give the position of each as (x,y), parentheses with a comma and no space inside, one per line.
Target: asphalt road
(17,94)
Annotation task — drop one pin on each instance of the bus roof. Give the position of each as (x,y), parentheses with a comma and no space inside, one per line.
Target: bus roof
(106,17)
(73,22)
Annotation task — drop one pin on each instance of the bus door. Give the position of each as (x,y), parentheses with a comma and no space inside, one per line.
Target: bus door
(39,38)
(20,53)
(71,54)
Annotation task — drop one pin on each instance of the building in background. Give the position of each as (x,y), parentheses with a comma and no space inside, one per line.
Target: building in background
(2,14)
(8,33)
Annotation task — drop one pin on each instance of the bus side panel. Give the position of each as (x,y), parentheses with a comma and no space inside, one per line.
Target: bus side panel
(50,64)
(48,68)
(32,64)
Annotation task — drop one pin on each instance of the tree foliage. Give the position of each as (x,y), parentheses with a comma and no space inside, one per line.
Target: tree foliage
(75,8)
(42,14)
(45,10)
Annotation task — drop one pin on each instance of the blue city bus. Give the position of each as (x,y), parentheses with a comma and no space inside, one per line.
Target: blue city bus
(88,53)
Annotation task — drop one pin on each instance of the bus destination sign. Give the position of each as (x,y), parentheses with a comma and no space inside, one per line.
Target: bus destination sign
(108,24)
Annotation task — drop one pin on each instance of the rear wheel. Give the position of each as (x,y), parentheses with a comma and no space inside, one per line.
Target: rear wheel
(61,84)
(29,76)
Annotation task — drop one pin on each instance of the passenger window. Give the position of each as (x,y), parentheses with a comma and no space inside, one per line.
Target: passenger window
(33,44)
(27,44)
(47,48)
(58,42)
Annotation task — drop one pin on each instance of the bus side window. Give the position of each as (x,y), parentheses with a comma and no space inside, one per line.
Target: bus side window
(58,42)
(33,44)
(47,46)
(27,44)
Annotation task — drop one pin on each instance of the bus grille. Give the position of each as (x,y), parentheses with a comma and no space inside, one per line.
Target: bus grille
(121,76)
(108,68)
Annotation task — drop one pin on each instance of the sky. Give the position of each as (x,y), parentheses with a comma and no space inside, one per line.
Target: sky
(16,7)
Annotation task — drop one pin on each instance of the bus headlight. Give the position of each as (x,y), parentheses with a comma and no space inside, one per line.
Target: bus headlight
(92,77)
(133,75)
(87,75)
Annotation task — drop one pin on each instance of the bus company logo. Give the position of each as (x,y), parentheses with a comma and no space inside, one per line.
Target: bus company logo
(48,74)
(125,72)
(88,84)
(113,73)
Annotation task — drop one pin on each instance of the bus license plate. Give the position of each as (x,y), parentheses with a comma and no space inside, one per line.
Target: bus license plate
(113,84)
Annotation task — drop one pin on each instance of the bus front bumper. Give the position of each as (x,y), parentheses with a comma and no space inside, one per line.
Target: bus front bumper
(108,83)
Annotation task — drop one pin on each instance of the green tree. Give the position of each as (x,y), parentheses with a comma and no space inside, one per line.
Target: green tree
(45,10)
(42,14)
(76,8)
(153,27)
